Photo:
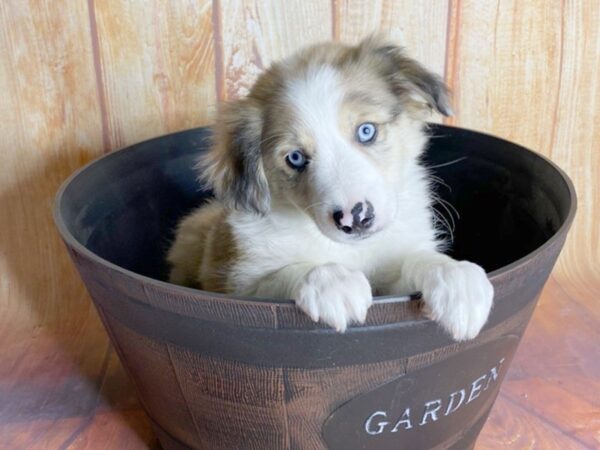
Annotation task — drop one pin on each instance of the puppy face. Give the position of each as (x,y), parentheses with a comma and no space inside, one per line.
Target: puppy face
(327,133)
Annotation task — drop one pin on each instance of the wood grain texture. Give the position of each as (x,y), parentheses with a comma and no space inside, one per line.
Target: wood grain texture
(157,65)
(165,404)
(550,397)
(52,345)
(80,80)
(499,49)
(527,71)
(419,26)
(576,140)
(213,389)
(254,34)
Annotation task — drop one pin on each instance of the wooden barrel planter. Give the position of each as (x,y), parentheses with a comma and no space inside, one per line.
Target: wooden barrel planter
(218,372)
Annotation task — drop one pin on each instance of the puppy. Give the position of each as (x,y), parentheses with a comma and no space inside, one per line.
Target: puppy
(320,195)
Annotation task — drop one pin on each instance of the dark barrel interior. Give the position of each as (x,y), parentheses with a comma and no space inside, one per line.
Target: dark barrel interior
(509,201)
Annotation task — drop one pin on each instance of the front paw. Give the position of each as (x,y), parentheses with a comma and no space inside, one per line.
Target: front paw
(458,295)
(335,295)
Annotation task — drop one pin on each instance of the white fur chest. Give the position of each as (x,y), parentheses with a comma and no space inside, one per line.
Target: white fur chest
(278,240)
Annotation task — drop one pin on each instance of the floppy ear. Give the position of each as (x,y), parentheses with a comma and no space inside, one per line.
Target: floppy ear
(233,167)
(409,78)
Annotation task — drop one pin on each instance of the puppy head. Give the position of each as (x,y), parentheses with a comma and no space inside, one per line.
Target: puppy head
(331,132)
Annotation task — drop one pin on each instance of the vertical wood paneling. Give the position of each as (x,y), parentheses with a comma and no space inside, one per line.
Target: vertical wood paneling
(576,140)
(504,66)
(522,70)
(254,34)
(52,346)
(419,26)
(157,66)
(49,127)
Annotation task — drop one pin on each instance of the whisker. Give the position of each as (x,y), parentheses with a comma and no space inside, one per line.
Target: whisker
(295,204)
(440,181)
(314,205)
(451,206)
(444,214)
(449,163)
(305,210)
(443,222)
(443,204)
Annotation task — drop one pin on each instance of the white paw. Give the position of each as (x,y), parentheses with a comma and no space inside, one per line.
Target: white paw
(335,295)
(458,295)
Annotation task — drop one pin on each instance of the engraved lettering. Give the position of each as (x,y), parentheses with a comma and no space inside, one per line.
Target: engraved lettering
(431,409)
(493,374)
(380,425)
(379,422)
(476,388)
(404,420)
(453,407)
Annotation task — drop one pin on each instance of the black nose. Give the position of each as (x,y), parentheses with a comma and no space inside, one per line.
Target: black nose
(360,222)
(338,215)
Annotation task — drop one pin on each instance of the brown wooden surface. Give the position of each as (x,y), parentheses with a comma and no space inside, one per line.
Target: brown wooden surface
(80,80)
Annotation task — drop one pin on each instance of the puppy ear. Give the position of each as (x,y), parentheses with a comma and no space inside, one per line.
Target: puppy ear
(233,167)
(409,78)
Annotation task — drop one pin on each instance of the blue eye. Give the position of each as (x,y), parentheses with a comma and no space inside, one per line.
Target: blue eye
(366,133)
(296,160)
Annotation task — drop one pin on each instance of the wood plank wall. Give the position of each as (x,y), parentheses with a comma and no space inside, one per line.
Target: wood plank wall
(82,78)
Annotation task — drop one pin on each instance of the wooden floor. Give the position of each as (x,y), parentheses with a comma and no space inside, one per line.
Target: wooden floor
(64,391)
